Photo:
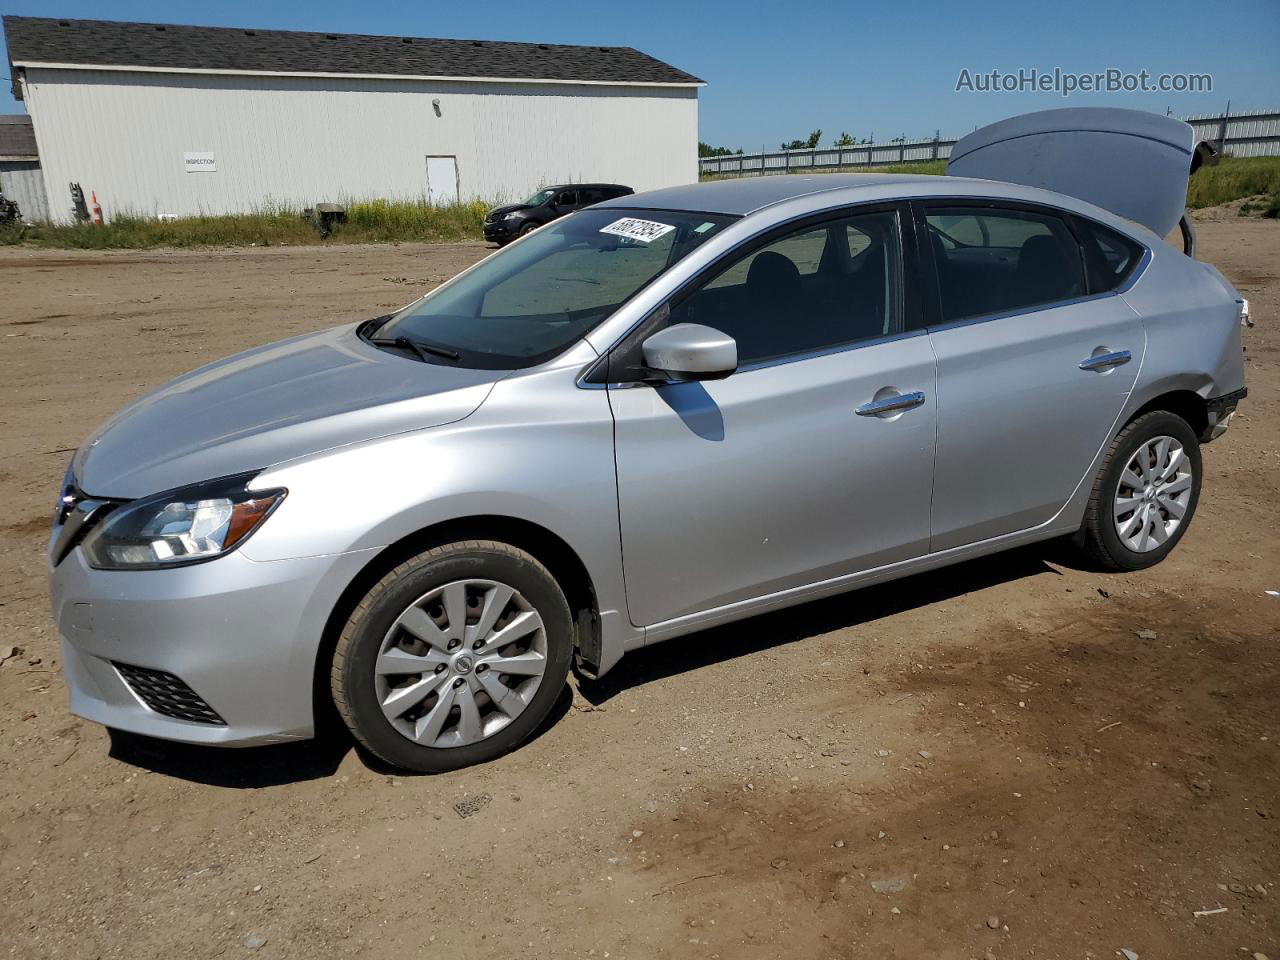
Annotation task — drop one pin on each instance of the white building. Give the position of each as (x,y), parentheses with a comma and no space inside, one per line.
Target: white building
(159,119)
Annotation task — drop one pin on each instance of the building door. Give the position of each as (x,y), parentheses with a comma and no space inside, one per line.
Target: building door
(442,180)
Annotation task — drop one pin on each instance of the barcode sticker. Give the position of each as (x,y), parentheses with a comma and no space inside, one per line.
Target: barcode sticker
(645,231)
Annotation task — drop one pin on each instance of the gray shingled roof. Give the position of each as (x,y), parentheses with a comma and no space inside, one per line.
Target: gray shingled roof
(17,139)
(46,40)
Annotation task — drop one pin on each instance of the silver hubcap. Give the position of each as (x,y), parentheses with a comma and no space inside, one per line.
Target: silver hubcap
(1154,494)
(460,663)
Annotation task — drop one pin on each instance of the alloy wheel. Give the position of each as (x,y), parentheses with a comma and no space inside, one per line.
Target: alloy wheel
(460,663)
(1154,494)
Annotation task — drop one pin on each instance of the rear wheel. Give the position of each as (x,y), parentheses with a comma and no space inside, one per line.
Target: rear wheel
(1145,495)
(454,657)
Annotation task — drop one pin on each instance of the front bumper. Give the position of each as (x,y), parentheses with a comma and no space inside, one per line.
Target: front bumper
(500,232)
(241,635)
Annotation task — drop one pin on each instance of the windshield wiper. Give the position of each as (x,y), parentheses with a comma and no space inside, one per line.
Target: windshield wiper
(423,350)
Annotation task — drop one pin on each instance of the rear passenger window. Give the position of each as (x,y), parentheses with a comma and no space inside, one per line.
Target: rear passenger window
(990,260)
(1116,255)
(820,287)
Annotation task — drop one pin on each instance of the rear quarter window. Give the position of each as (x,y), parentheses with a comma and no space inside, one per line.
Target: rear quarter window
(1114,256)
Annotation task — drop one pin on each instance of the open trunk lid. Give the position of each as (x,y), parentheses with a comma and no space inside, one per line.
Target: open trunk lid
(1130,162)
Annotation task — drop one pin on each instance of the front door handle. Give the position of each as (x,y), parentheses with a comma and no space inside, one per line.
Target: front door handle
(1105,361)
(899,401)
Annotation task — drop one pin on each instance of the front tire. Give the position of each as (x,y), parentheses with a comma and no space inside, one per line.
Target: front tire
(1145,494)
(454,657)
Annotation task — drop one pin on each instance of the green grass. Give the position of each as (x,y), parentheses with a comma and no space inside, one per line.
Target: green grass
(372,221)
(1233,178)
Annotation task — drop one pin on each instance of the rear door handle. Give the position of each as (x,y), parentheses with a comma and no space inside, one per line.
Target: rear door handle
(901,401)
(1104,361)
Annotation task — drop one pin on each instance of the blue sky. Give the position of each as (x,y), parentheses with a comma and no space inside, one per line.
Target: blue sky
(777,71)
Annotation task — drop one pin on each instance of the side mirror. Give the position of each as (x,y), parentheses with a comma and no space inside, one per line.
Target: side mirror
(691,351)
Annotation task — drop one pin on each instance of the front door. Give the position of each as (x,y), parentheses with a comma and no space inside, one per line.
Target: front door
(813,461)
(442,181)
(1034,366)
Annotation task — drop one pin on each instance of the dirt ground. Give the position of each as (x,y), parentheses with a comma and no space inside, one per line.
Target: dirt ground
(1010,758)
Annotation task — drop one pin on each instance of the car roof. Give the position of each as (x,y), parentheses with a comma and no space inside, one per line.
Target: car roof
(580,186)
(748,194)
(789,195)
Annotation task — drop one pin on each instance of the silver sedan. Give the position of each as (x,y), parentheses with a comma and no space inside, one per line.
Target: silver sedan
(668,411)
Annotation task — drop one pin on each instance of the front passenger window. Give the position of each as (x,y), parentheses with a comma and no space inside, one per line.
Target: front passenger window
(819,287)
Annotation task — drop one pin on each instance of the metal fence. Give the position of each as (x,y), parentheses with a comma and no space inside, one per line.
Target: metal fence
(1253,134)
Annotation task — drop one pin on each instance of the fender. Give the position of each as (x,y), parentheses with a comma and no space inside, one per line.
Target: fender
(506,460)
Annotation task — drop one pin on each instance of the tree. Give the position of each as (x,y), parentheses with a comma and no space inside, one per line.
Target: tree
(844,140)
(707,150)
(807,144)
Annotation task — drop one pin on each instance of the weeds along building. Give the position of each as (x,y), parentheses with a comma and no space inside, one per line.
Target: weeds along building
(160,119)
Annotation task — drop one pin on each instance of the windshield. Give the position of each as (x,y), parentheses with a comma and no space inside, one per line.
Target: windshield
(528,303)
(542,196)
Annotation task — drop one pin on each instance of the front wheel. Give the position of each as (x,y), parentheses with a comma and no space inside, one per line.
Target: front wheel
(454,657)
(1145,495)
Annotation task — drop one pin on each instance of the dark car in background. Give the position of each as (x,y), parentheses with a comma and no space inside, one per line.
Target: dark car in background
(504,224)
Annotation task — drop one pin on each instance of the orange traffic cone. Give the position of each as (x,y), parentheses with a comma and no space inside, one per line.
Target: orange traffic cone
(97,209)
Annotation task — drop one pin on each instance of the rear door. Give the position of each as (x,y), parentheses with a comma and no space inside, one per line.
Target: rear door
(1035,362)
(814,460)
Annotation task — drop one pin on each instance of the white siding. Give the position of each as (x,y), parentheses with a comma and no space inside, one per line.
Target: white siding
(22,181)
(301,140)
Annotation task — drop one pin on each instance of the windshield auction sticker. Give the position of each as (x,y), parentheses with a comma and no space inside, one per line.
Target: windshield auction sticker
(645,231)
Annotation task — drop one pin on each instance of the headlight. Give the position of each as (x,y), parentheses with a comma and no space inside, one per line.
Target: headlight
(182,526)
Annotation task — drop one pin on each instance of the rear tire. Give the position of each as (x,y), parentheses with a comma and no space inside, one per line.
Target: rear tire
(1145,494)
(453,658)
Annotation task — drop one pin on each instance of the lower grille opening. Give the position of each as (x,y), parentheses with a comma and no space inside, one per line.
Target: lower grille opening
(167,695)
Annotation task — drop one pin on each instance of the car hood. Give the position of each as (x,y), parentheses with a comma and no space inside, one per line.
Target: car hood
(268,405)
(497,212)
